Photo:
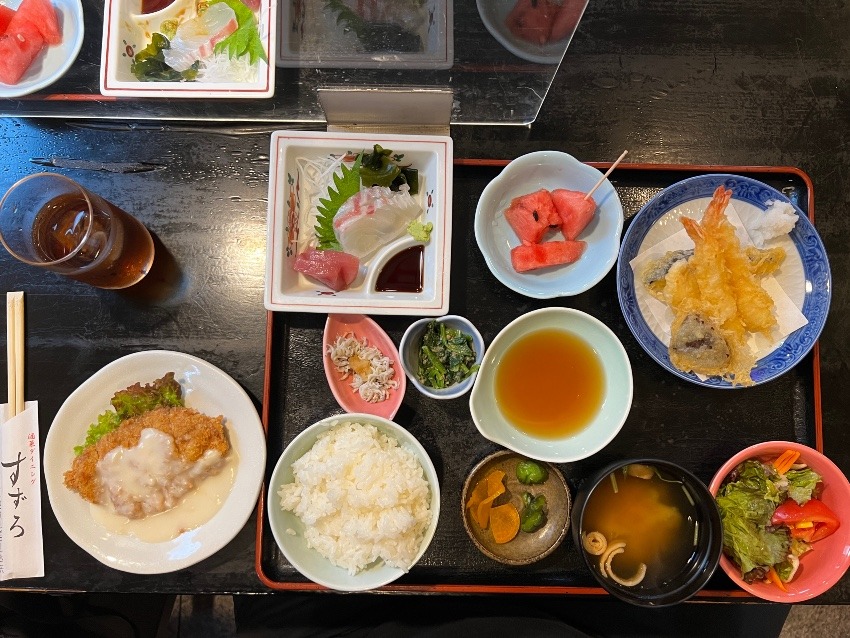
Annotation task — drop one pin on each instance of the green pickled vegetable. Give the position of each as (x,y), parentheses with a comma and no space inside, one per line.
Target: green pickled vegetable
(381,168)
(149,65)
(135,400)
(446,356)
(530,473)
(533,515)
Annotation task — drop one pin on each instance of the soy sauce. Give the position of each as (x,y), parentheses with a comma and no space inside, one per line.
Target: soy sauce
(403,272)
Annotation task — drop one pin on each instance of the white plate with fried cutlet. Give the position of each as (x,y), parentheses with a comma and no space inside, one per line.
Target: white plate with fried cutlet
(206,518)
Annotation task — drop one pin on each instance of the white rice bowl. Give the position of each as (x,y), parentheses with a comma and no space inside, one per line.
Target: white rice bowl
(354,502)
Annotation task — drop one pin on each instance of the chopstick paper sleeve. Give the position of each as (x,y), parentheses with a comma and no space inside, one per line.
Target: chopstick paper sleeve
(21,543)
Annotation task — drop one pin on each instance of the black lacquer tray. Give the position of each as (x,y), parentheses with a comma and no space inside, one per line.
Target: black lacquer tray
(696,427)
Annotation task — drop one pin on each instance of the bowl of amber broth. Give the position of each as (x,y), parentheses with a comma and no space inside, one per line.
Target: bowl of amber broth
(649,531)
(554,385)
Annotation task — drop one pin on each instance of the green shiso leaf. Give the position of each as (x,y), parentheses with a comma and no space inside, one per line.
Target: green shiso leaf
(246,39)
(346,184)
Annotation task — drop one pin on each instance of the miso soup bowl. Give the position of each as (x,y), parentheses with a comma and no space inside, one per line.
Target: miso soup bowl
(694,575)
(617,392)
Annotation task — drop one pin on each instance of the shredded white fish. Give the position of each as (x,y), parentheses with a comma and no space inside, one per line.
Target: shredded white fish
(374,386)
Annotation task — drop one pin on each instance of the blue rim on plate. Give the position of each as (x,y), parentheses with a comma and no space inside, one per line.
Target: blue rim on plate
(818,281)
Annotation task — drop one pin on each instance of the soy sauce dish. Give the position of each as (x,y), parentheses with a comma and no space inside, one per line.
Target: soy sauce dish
(648,530)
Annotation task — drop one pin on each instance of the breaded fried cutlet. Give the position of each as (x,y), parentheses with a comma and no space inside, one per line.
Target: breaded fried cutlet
(193,433)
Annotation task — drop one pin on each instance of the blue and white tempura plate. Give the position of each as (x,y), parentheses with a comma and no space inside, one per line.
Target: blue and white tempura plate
(805,274)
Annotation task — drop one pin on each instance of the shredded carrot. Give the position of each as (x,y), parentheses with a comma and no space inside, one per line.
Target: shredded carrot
(785,460)
(775,579)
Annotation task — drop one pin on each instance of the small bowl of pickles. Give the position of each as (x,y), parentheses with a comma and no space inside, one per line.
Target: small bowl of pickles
(515,510)
(441,356)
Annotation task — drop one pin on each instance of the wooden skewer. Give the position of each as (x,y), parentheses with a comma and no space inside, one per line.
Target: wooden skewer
(15,351)
(605,176)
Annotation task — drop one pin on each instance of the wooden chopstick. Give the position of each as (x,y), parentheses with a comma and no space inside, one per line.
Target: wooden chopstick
(15,351)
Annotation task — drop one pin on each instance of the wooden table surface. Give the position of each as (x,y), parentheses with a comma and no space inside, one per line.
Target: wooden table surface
(693,82)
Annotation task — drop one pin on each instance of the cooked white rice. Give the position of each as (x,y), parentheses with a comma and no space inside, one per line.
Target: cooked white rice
(361,496)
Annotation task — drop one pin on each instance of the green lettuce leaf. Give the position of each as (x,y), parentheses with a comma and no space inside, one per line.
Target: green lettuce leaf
(801,484)
(133,401)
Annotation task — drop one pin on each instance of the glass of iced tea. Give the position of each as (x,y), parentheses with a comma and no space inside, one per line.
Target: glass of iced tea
(50,221)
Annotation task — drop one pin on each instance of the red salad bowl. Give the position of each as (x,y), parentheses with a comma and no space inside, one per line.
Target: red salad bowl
(829,558)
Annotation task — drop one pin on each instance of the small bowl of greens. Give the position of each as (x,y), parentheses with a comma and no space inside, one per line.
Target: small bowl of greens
(786,521)
(441,356)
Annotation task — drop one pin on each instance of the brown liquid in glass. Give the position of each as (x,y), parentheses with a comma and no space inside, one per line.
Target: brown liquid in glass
(117,253)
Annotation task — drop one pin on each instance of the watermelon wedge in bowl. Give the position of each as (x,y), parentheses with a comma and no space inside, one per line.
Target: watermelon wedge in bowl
(49,50)
(538,234)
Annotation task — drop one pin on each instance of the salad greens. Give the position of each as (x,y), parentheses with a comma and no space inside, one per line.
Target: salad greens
(747,503)
(135,400)
(446,356)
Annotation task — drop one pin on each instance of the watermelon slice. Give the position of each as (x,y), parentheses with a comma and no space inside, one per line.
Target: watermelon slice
(333,268)
(42,15)
(549,253)
(532,215)
(566,20)
(531,20)
(18,49)
(6,14)
(574,211)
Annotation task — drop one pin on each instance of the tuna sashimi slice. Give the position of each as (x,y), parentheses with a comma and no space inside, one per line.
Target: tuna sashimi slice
(196,38)
(532,215)
(333,268)
(574,210)
(549,253)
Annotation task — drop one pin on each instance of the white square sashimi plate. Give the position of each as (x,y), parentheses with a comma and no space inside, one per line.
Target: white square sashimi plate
(127,32)
(316,35)
(290,225)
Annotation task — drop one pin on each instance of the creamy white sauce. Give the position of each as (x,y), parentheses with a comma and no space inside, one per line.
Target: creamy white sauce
(151,475)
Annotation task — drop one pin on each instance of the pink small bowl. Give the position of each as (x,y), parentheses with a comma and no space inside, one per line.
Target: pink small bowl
(349,400)
(820,568)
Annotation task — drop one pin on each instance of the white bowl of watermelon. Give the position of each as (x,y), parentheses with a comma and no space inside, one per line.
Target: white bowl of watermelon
(538,233)
(554,385)
(39,42)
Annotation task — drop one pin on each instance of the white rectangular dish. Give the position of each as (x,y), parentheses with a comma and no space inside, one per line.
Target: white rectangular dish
(223,48)
(412,34)
(293,197)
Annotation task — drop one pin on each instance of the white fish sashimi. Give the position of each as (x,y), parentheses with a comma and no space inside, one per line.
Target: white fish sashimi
(372,218)
(196,38)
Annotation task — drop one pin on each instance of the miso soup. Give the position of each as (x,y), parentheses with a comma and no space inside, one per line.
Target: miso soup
(648,519)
